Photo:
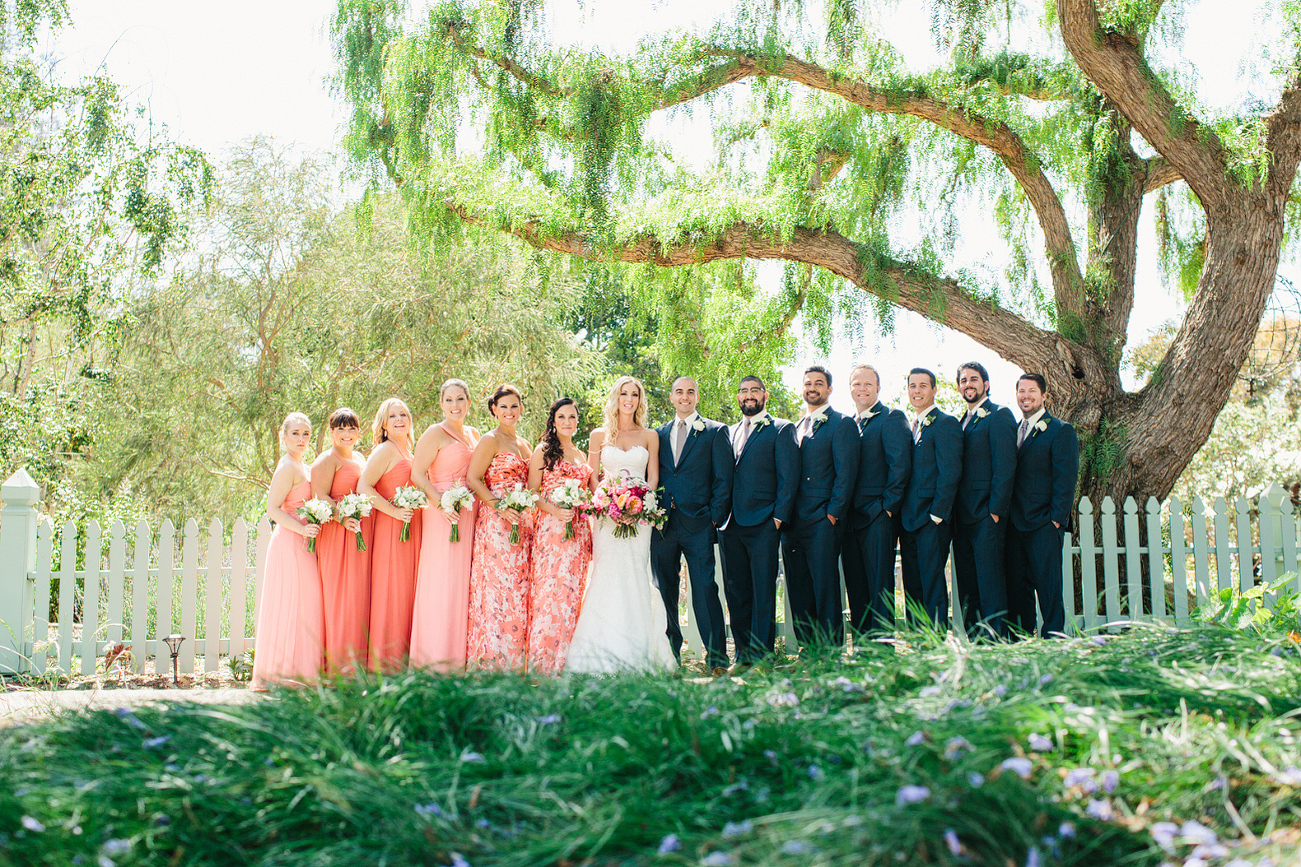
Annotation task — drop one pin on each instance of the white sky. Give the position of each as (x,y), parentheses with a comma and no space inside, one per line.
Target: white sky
(217,73)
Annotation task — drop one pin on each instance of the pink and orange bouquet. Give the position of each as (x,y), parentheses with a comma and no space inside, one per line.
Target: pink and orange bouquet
(627,501)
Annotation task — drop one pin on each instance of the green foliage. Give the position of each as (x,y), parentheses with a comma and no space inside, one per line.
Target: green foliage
(1271,610)
(802,765)
(1103,453)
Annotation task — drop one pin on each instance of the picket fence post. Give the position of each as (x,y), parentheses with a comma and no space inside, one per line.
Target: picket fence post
(18,524)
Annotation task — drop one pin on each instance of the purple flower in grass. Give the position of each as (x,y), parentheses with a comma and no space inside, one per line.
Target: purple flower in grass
(911,795)
(712,710)
(430,809)
(33,824)
(470,756)
(1079,776)
(784,699)
(154,743)
(1032,858)
(105,861)
(549,719)
(951,840)
(816,774)
(1100,809)
(458,860)
(670,843)
(1164,833)
(1198,833)
(955,746)
(1110,780)
(1289,776)
(975,780)
(717,859)
(1099,640)
(116,846)
(798,847)
(1018,765)
(915,739)
(736,829)
(1066,830)
(1040,743)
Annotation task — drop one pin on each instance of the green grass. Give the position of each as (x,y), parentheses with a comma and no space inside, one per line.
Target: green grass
(805,765)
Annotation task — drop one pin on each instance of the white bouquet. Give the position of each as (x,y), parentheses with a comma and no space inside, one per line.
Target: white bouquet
(571,494)
(315,511)
(518,501)
(354,506)
(412,498)
(453,501)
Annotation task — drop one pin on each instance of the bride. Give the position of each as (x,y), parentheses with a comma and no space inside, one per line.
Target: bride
(621,625)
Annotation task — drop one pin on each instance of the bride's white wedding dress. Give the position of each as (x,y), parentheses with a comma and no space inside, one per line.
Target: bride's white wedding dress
(621,625)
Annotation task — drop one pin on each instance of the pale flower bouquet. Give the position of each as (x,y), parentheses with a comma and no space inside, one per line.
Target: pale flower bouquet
(570,494)
(453,501)
(517,500)
(409,497)
(315,511)
(354,506)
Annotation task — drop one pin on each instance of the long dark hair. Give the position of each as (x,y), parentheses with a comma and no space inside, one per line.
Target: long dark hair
(553,449)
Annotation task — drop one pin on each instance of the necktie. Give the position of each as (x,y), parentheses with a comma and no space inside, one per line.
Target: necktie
(1025,428)
(966,418)
(679,437)
(917,426)
(740,441)
(805,427)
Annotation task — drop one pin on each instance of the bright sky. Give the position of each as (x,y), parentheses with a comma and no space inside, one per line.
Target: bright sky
(218,73)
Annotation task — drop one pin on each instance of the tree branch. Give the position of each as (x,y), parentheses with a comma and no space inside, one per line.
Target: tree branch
(1114,62)
(1283,137)
(939,299)
(1159,174)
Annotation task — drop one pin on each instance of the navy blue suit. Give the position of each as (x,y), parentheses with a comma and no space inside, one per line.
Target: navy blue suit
(810,542)
(884,467)
(985,489)
(697,495)
(765,479)
(1047,467)
(932,489)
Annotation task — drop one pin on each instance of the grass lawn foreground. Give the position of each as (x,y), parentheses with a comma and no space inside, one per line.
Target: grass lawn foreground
(1149,746)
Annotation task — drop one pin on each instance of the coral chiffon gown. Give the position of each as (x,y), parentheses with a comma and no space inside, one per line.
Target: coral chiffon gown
(558,573)
(392,577)
(345,581)
(442,606)
(499,576)
(290,620)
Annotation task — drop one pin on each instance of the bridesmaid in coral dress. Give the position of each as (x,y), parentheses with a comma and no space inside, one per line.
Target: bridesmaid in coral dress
(290,620)
(499,574)
(345,571)
(392,562)
(557,566)
(442,608)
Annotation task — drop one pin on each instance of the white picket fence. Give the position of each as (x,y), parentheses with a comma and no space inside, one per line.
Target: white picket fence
(137,588)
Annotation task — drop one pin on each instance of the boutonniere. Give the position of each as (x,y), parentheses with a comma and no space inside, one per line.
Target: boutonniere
(763,422)
(1041,425)
(817,423)
(698,425)
(926,422)
(868,416)
(981,412)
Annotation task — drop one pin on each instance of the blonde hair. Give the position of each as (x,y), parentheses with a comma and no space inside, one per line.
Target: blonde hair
(453,383)
(858,367)
(292,419)
(611,423)
(377,433)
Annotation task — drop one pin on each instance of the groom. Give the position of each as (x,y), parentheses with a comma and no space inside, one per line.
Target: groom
(764,483)
(696,475)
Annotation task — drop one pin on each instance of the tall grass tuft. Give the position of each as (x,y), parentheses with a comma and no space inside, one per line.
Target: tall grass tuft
(1078,752)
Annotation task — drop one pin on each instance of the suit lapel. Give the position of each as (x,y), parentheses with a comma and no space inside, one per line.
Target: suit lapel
(754,433)
(1033,432)
(921,430)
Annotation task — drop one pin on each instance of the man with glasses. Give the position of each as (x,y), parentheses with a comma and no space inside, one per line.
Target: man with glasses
(764,483)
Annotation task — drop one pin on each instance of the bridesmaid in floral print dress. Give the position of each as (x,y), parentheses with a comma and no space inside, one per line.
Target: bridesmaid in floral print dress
(558,567)
(499,571)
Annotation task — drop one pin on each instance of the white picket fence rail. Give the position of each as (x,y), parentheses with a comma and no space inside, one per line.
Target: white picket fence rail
(137,588)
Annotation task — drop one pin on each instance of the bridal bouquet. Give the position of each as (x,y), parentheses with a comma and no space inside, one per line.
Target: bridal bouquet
(409,497)
(571,494)
(627,501)
(354,506)
(517,500)
(453,501)
(315,511)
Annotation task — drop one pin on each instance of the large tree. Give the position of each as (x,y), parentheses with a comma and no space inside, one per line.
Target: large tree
(1057,128)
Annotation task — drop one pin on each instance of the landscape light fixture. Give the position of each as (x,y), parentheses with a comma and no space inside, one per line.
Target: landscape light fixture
(174,645)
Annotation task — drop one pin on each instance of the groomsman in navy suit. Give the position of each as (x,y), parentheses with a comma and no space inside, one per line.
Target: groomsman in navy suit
(885,462)
(928,501)
(696,475)
(984,497)
(764,483)
(1043,495)
(828,448)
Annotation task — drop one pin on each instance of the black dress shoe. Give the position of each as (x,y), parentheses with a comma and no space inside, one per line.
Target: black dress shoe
(739,668)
